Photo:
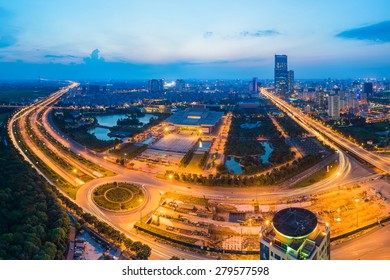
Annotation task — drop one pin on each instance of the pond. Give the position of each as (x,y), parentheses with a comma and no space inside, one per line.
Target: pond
(110,120)
(202,146)
(268,151)
(101,133)
(233,163)
(250,125)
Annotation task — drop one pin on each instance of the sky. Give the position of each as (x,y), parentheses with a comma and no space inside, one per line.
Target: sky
(142,39)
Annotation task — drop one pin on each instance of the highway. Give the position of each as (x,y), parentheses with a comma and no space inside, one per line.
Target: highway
(316,128)
(371,246)
(153,186)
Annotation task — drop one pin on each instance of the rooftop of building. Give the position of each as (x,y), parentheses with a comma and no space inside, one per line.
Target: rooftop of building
(195,117)
(295,222)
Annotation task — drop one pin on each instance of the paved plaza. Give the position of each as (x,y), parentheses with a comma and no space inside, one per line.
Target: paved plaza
(176,143)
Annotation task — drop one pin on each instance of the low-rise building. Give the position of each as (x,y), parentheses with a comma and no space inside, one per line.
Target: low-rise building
(295,234)
(199,120)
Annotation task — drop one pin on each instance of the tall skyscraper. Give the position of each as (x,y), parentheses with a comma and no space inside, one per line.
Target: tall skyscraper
(334,106)
(281,74)
(367,88)
(254,85)
(290,79)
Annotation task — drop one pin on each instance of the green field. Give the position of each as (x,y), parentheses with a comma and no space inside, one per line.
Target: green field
(317,176)
(116,197)
(3,116)
(7,95)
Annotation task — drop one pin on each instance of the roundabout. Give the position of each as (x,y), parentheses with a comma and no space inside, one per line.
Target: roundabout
(118,196)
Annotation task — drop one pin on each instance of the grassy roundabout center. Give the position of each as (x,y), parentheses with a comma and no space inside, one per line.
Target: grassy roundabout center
(118,196)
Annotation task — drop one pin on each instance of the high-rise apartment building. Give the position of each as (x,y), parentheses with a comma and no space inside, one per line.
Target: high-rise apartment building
(334,106)
(254,85)
(295,234)
(290,81)
(320,98)
(180,85)
(281,74)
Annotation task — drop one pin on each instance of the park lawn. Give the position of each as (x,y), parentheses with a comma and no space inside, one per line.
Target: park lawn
(15,94)
(127,148)
(317,176)
(193,166)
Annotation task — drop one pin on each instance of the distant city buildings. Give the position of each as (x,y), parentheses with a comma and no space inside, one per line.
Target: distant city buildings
(180,85)
(295,234)
(368,88)
(156,85)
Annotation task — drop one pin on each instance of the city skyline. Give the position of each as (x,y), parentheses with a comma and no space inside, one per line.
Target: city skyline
(139,40)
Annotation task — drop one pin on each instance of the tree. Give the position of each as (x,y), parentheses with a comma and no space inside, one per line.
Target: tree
(136,246)
(144,252)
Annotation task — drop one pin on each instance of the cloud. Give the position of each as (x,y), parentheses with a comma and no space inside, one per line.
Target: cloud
(242,34)
(378,33)
(208,34)
(94,57)
(59,56)
(260,33)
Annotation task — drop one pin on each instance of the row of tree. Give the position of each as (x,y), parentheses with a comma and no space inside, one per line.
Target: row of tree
(33,219)
(187,158)
(33,224)
(275,176)
(290,126)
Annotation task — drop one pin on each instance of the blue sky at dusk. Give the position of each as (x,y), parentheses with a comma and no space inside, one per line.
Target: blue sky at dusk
(193,39)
